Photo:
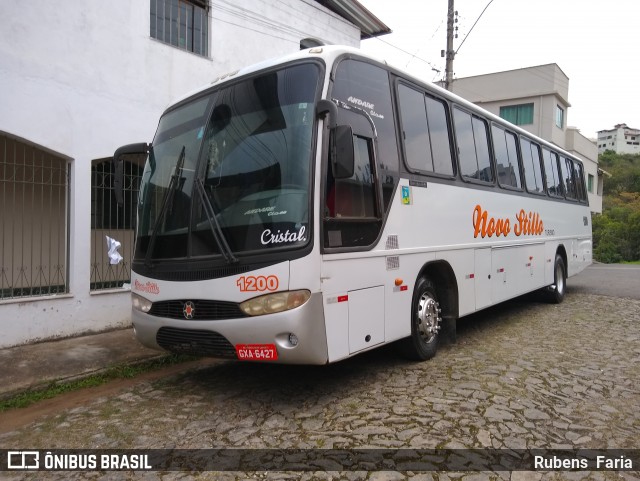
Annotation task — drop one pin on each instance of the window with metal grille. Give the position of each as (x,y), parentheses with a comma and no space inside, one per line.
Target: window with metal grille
(34,213)
(108,219)
(181,23)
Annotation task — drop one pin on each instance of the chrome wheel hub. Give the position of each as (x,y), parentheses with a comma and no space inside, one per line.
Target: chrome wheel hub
(428,317)
(559,279)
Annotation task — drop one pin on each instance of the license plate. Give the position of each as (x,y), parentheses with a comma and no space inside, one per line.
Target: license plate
(256,352)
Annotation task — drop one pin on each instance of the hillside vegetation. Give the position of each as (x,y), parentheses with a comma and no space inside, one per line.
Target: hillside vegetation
(616,232)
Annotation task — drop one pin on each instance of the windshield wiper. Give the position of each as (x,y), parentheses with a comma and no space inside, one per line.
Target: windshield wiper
(214,225)
(166,201)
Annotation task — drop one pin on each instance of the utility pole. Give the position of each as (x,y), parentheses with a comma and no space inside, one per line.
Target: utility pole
(449,53)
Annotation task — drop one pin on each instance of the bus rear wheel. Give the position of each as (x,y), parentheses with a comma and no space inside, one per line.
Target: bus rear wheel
(556,291)
(425,322)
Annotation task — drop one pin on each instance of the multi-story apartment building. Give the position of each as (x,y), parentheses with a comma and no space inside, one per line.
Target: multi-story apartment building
(79,79)
(536,99)
(622,139)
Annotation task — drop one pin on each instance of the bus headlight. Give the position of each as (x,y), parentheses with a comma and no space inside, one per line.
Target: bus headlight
(140,303)
(277,302)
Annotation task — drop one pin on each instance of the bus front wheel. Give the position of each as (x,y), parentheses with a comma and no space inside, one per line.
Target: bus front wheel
(425,322)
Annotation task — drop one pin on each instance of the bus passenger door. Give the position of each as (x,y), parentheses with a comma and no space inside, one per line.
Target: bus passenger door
(482,272)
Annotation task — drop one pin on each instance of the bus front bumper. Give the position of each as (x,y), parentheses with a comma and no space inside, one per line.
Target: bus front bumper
(219,338)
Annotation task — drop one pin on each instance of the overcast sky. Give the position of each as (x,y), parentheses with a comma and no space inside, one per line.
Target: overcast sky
(597,45)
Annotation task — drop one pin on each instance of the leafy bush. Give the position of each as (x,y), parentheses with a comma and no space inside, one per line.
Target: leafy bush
(616,232)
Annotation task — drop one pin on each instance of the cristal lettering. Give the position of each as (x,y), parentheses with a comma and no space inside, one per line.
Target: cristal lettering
(279,237)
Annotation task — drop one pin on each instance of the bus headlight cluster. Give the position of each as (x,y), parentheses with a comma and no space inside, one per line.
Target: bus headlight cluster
(140,303)
(277,302)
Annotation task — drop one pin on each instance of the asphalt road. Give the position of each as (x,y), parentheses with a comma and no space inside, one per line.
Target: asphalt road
(614,280)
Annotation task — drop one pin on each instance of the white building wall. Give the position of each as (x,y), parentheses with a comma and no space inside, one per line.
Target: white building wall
(586,149)
(82,78)
(545,86)
(622,140)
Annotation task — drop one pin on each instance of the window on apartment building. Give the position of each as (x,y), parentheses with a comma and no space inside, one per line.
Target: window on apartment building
(108,219)
(34,221)
(559,117)
(590,180)
(181,23)
(518,114)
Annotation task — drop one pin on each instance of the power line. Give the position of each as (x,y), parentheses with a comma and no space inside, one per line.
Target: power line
(430,64)
(474,24)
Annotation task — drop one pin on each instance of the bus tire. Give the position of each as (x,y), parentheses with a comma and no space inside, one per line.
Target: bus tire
(425,322)
(556,291)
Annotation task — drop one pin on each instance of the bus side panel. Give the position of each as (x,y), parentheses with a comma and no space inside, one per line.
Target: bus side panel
(336,319)
(346,285)
(462,262)
(398,298)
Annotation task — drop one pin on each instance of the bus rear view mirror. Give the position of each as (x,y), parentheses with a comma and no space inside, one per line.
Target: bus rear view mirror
(118,164)
(342,153)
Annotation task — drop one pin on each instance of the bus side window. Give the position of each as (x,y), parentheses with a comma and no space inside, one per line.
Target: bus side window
(367,86)
(568,178)
(580,187)
(425,133)
(506,152)
(554,182)
(532,168)
(355,196)
(473,146)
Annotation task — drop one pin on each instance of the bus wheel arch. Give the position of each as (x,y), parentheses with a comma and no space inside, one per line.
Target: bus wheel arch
(435,301)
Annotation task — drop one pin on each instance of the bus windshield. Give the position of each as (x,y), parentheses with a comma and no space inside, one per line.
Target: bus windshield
(231,169)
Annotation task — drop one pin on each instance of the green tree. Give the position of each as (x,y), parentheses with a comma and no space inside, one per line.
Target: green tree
(616,232)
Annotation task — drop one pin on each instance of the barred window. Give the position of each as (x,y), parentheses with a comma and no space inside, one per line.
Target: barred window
(34,226)
(181,23)
(108,219)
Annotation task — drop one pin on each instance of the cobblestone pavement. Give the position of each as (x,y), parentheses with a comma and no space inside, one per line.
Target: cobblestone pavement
(522,375)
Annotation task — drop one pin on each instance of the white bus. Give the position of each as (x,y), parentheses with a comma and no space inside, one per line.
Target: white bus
(308,209)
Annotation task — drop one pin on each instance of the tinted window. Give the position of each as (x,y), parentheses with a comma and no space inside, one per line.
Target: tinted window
(566,167)
(415,131)
(579,176)
(531,164)
(440,136)
(425,132)
(554,184)
(473,146)
(366,86)
(506,152)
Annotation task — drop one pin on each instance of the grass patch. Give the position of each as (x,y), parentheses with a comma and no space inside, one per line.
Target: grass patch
(124,371)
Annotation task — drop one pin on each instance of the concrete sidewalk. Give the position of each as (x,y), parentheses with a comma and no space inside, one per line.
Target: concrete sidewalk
(36,365)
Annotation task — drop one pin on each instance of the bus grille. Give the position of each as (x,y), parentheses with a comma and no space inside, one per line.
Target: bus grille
(195,342)
(204,310)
